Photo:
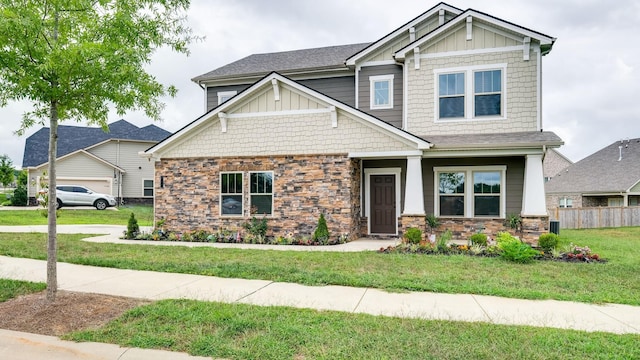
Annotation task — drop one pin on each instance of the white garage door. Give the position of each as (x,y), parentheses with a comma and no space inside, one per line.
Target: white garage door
(102,185)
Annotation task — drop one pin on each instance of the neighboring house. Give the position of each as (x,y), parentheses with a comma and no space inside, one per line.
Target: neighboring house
(553,163)
(105,162)
(441,116)
(608,177)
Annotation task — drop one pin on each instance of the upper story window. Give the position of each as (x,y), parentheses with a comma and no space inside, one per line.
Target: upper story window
(470,93)
(451,92)
(381,88)
(225,95)
(476,191)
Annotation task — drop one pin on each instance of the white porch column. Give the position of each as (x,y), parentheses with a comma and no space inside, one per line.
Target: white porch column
(533,197)
(413,195)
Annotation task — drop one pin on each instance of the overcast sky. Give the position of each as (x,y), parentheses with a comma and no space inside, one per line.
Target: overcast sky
(591,78)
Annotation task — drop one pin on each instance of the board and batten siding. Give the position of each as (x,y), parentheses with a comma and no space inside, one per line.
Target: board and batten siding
(125,155)
(340,88)
(514,178)
(392,116)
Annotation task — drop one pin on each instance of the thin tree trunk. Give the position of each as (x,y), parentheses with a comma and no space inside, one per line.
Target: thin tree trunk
(52,246)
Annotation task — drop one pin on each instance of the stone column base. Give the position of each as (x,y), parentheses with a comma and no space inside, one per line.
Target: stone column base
(416,221)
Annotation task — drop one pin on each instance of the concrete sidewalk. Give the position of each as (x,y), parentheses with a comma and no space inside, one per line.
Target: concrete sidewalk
(619,319)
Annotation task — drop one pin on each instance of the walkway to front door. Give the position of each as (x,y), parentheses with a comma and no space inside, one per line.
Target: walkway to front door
(383,204)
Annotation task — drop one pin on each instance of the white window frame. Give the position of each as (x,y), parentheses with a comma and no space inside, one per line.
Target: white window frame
(223,96)
(469,94)
(372,81)
(469,194)
(272,193)
(153,192)
(566,202)
(221,194)
(615,202)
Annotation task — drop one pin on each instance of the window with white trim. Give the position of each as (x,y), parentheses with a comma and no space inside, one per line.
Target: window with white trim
(381,88)
(566,202)
(616,202)
(261,192)
(225,95)
(477,191)
(147,187)
(231,193)
(470,93)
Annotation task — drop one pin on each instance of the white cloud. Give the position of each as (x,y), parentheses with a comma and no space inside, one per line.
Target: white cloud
(590,85)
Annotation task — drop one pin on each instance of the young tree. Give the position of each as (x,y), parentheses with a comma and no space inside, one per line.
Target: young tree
(74,59)
(6,170)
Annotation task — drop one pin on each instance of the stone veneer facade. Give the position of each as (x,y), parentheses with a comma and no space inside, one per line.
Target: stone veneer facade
(304,186)
(462,229)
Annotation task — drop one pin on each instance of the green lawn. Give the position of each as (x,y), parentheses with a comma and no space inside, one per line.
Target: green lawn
(238,331)
(616,281)
(144,215)
(13,288)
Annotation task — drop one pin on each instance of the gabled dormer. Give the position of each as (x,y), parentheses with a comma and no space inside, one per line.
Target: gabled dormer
(379,77)
(474,74)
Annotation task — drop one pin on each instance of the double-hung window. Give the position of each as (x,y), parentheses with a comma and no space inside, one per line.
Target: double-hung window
(147,188)
(477,191)
(566,202)
(261,192)
(231,193)
(451,91)
(470,93)
(381,87)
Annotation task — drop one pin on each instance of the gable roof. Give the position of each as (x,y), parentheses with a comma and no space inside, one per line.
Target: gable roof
(286,62)
(74,138)
(545,40)
(604,171)
(351,61)
(268,81)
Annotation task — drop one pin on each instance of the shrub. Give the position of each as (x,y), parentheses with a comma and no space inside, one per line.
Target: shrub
(257,228)
(504,238)
(322,232)
(132,227)
(514,221)
(432,221)
(548,242)
(517,251)
(442,244)
(479,239)
(19,197)
(413,235)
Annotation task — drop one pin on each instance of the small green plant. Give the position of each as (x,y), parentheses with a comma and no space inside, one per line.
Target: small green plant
(548,242)
(132,227)
(479,239)
(514,221)
(255,227)
(504,238)
(442,243)
(519,252)
(19,197)
(322,232)
(432,222)
(413,235)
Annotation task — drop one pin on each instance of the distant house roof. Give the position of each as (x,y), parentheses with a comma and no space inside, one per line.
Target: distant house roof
(615,168)
(324,58)
(74,138)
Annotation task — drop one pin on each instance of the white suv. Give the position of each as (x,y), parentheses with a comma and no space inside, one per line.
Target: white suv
(75,195)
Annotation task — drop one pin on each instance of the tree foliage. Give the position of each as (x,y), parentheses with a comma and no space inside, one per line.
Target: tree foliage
(6,170)
(76,59)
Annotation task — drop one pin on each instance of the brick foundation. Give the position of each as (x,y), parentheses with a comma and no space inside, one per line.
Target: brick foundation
(303,188)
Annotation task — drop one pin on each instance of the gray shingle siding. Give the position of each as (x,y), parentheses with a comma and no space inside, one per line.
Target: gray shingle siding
(392,116)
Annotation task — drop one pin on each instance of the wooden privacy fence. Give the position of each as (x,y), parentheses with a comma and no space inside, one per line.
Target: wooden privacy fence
(596,217)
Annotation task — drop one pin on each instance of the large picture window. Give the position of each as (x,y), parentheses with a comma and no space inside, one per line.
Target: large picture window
(261,193)
(231,193)
(477,191)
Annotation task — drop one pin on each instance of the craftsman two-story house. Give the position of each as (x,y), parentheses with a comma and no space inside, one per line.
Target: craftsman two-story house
(441,116)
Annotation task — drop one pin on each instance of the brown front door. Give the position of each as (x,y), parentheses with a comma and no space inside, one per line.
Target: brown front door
(383,204)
